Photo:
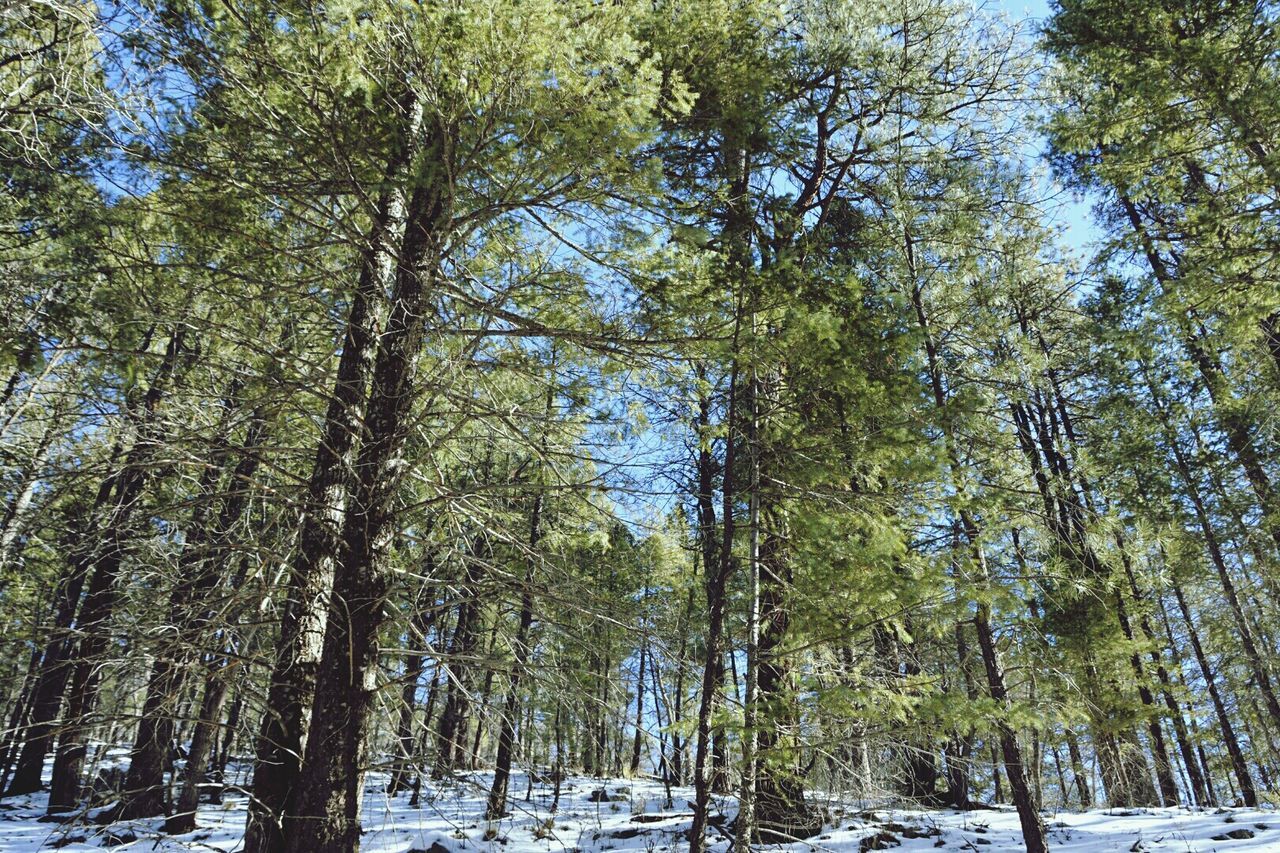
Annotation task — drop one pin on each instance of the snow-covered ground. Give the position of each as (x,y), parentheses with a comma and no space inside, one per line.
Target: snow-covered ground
(450,818)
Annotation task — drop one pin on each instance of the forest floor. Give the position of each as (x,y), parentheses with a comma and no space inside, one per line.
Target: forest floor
(633,818)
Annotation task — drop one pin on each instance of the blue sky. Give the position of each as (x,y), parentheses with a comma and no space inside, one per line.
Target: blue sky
(1074,214)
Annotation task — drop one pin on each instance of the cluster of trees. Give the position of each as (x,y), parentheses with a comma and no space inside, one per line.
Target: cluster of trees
(690,388)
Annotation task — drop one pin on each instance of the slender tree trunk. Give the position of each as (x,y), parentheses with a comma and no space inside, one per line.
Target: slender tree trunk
(415,663)
(228,739)
(1233,426)
(1164,768)
(18,717)
(497,802)
(716,575)
(458,678)
(960,750)
(1078,771)
(183,819)
(748,827)
(55,661)
(1199,788)
(201,565)
(1029,818)
(14,521)
(1216,557)
(678,744)
(637,743)
(428,714)
(1033,832)
(472,760)
(1238,764)
(100,600)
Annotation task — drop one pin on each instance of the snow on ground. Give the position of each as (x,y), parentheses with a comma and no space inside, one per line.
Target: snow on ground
(633,818)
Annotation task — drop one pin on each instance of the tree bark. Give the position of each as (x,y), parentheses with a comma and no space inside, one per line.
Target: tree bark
(1199,788)
(323,815)
(292,685)
(458,667)
(1216,557)
(1164,768)
(202,563)
(1033,832)
(100,600)
(497,802)
(637,742)
(1238,764)
(782,814)
(183,819)
(1029,818)
(415,663)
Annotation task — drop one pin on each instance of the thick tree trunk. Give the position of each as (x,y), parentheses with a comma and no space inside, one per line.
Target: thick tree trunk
(323,814)
(781,812)
(291,689)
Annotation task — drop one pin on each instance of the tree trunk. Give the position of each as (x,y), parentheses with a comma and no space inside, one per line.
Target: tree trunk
(782,815)
(1233,426)
(14,521)
(18,717)
(1238,764)
(1164,768)
(323,814)
(1216,557)
(1078,771)
(292,685)
(472,759)
(637,742)
(100,600)
(183,819)
(717,567)
(415,663)
(1199,788)
(497,802)
(199,569)
(458,678)
(55,661)
(959,751)
(1032,827)
(1033,832)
